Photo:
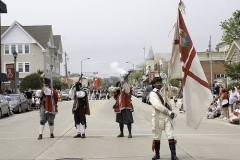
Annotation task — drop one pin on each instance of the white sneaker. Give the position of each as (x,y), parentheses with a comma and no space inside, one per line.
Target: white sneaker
(225,118)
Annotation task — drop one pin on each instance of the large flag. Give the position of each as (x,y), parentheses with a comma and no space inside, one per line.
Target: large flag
(184,63)
(97,82)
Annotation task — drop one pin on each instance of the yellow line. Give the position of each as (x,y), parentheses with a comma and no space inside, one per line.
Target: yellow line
(96,106)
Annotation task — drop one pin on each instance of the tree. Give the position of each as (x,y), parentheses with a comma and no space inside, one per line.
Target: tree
(33,81)
(58,82)
(232,70)
(230,29)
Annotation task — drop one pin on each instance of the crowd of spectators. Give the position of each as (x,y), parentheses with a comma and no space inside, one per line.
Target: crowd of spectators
(225,104)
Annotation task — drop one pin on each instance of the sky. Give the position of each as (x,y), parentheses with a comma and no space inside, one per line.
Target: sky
(108,31)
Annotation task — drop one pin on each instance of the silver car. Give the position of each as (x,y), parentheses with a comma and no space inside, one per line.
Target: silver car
(4,109)
(65,95)
(18,103)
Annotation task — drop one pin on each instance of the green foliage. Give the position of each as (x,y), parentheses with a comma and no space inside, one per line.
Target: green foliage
(229,86)
(33,81)
(136,76)
(232,70)
(217,46)
(59,82)
(230,29)
(175,82)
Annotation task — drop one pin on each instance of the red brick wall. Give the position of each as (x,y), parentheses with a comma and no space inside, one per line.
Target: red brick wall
(217,68)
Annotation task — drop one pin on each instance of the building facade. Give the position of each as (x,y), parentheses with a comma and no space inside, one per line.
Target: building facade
(37,49)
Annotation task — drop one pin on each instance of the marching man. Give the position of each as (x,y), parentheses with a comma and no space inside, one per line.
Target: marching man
(80,108)
(162,118)
(48,108)
(123,108)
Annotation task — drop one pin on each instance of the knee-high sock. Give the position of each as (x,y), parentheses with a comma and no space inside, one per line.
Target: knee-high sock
(121,127)
(41,128)
(78,128)
(129,126)
(51,129)
(83,128)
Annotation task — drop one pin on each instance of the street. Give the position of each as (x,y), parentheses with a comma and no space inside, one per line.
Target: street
(214,140)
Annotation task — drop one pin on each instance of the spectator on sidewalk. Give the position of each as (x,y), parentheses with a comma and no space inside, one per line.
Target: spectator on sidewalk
(224,104)
(233,97)
(210,114)
(236,118)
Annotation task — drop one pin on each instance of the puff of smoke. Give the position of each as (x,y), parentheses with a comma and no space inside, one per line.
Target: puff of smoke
(115,68)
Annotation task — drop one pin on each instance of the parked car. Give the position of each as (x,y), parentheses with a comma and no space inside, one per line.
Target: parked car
(18,103)
(135,91)
(145,97)
(65,95)
(4,108)
(139,93)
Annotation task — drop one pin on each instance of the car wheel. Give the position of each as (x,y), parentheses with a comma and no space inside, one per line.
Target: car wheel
(8,113)
(19,109)
(0,113)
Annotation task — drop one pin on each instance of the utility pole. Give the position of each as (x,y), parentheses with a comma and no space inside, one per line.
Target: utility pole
(210,52)
(66,73)
(144,61)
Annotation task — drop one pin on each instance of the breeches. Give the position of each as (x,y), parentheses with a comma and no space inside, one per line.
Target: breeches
(46,117)
(168,130)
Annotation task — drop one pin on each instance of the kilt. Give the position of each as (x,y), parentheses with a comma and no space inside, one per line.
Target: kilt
(125,116)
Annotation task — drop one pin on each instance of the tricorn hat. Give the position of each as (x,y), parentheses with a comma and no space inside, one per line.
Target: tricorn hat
(156,79)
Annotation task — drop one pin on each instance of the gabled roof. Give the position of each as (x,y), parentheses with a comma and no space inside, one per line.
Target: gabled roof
(41,33)
(235,43)
(150,54)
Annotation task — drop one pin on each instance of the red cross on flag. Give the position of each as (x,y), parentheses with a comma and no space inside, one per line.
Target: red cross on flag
(184,63)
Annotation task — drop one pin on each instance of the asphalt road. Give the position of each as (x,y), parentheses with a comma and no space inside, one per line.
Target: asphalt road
(214,140)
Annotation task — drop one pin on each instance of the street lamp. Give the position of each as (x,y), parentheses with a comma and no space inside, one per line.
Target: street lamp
(81,66)
(68,79)
(15,67)
(51,67)
(132,64)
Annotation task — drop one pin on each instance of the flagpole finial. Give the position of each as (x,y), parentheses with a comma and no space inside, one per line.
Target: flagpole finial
(181,7)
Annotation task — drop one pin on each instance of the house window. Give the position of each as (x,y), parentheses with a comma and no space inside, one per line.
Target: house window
(6,49)
(20,67)
(26,48)
(23,67)
(7,86)
(27,67)
(20,49)
(13,48)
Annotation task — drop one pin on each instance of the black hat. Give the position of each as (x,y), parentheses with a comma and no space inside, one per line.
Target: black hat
(156,79)
(47,81)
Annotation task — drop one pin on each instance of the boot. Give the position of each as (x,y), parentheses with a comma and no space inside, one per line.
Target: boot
(83,135)
(40,137)
(172,146)
(77,136)
(157,149)
(51,135)
(120,135)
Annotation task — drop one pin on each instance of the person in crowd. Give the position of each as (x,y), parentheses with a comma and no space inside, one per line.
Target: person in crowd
(233,97)
(217,89)
(217,108)
(210,114)
(37,102)
(224,103)
(162,117)
(28,94)
(123,108)
(236,118)
(175,101)
(48,109)
(80,108)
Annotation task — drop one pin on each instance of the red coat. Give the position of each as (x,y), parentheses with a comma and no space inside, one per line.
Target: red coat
(122,102)
(48,102)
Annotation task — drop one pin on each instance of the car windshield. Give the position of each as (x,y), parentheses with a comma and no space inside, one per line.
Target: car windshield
(140,90)
(64,92)
(14,97)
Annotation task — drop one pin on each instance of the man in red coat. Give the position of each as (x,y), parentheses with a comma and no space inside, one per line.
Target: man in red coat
(123,108)
(48,109)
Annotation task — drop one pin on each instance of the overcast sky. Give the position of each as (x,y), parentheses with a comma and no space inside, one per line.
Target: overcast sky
(117,30)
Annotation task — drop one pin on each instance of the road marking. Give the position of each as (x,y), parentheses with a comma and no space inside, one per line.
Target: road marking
(96,106)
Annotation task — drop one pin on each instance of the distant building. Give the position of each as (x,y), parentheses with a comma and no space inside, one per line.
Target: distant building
(36,46)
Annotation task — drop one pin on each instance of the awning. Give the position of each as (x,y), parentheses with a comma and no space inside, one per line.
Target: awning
(3,77)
